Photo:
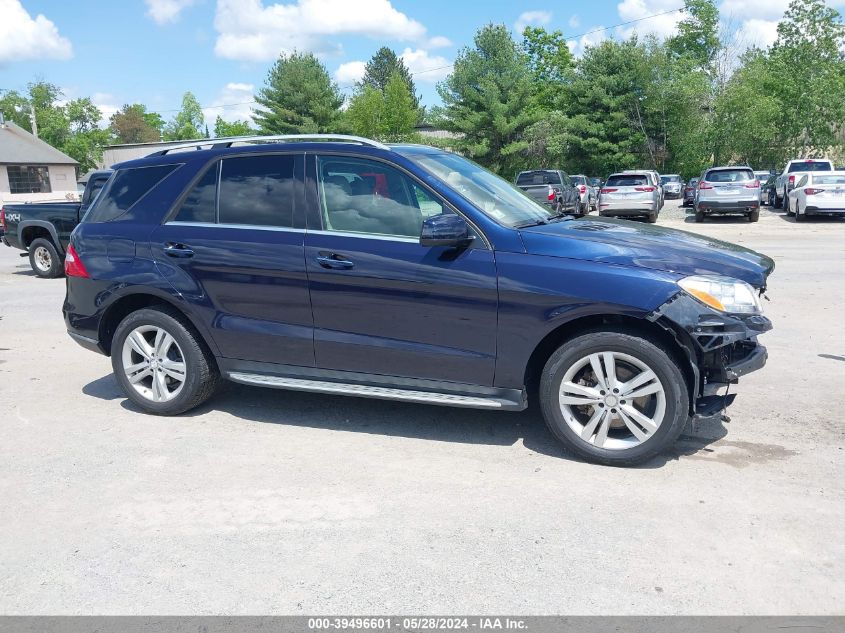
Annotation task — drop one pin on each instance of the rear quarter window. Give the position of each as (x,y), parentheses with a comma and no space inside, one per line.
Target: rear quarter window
(126,188)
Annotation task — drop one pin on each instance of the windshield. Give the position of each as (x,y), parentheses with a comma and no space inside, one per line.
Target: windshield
(666,179)
(493,195)
(729,175)
(626,180)
(810,165)
(579,180)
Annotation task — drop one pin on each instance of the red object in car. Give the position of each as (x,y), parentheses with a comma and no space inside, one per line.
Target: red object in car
(753,185)
(73,265)
(582,189)
(792,181)
(647,189)
(810,191)
(3,219)
(551,193)
(704,185)
(608,190)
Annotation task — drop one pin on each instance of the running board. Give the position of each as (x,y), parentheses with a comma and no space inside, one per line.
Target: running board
(371,391)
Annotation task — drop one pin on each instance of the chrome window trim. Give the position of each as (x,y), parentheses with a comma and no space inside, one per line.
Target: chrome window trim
(370,236)
(259,227)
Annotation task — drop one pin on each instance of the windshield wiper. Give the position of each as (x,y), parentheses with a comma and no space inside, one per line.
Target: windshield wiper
(526,223)
(560,216)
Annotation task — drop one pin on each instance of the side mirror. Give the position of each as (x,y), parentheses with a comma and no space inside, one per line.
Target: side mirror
(447,229)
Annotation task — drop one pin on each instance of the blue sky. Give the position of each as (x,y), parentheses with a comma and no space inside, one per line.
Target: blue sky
(152,51)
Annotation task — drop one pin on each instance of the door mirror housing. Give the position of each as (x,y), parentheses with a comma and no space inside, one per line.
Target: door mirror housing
(447,229)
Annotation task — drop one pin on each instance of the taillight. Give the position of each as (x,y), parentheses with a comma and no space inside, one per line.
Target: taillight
(608,190)
(704,185)
(73,265)
(811,192)
(582,189)
(647,189)
(753,185)
(551,193)
(792,181)
(3,218)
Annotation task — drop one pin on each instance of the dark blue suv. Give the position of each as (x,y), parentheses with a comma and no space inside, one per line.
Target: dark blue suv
(341,265)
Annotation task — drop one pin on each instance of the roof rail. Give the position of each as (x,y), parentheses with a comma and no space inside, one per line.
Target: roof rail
(228,141)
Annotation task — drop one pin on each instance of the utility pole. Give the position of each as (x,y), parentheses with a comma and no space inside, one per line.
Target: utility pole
(32,120)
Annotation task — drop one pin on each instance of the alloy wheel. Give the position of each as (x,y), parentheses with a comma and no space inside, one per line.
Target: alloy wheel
(612,400)
(154,363)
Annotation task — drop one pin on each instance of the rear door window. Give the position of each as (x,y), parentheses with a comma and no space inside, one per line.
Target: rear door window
(257,190)
(200,205)
(127,187)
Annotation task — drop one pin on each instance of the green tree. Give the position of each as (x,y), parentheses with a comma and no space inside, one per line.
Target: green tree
(188,122)
(133,124)
(234,128)
(551,64)
(808,61)
(488,99)
(381,68)
(389,115)
(298,97)
(698,33)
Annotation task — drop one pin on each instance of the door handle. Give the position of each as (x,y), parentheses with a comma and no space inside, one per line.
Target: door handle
(177,250)
(334,261)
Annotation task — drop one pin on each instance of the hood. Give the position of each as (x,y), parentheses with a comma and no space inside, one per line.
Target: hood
(627,243)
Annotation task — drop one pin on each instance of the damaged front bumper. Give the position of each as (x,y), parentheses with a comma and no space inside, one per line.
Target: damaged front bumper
(720,347)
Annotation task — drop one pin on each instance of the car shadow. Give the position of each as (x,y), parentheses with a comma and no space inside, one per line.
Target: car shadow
(717,219)
(813,219)
(26,272)
(398,419)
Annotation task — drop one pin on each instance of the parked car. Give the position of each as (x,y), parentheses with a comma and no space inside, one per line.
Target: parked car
(586,193)
(654,179)
(785,181)
(551,187)
(767,190)
(630,194)
(672,185)
(43,229)
(345,266)
(689,192)
(596,183)
(728,190)
(817,193)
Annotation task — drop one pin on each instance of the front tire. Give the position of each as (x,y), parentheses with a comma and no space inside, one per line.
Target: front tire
(788,206)
(614,398)
(798,217)
(161,362)
(45,259)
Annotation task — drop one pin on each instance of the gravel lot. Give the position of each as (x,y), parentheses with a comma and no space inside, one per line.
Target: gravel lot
(285,503)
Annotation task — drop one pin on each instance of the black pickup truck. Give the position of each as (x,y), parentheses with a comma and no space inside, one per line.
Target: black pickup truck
(43,230)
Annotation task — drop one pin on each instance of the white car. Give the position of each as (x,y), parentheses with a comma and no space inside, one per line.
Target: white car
(817,193)
(787,180)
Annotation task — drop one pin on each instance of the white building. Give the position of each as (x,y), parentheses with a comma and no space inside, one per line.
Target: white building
(33,171)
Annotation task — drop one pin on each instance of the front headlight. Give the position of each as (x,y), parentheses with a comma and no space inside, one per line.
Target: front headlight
(723,293)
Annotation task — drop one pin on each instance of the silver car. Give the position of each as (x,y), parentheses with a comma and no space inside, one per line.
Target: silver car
(585,192)
(672,185)
(630,194)
(728,190)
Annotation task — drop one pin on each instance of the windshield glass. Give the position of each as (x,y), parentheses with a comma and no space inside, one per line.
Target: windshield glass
(626,180)
(493,195)
(810,165)
(665,179)
(579,180)
(538,178)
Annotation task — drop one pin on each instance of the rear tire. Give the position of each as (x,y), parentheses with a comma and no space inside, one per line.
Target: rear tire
(699,215)
(651,218)
(754,216)
(149,362)
(45,259)
(654,420)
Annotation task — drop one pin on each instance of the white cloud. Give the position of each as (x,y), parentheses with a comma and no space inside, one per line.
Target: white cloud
(425,67)
(237,97)
(574,22)
(107,103)
(596,35)
(350,73)
(660,25)
(250,31)
(759,33)
(531,18)
(438,41)
(164,11)
(23,38)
